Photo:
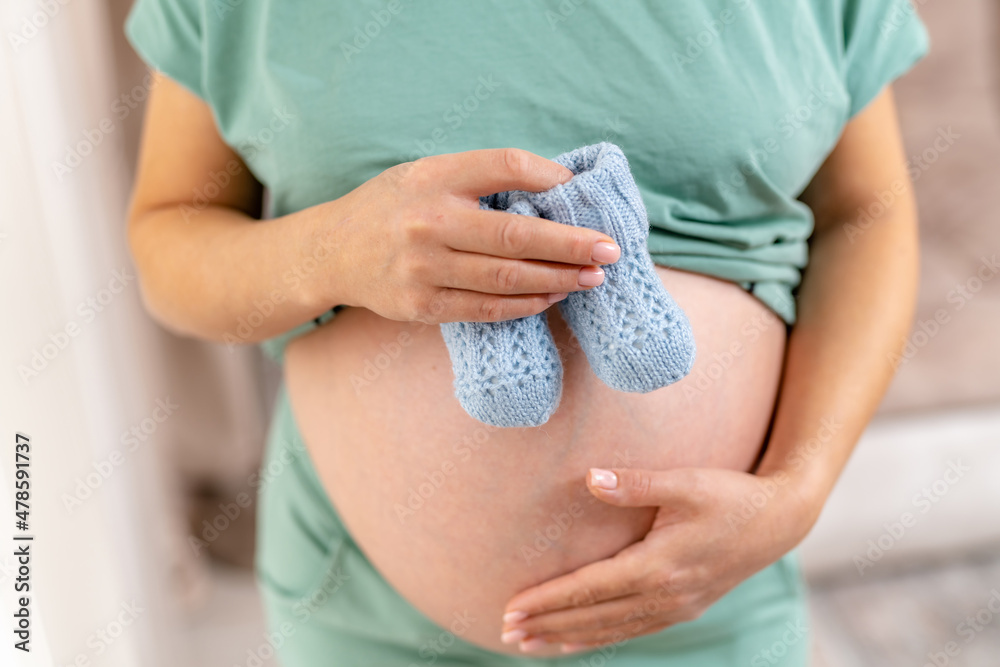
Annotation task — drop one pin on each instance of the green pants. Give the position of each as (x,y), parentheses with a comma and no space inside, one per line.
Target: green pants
(327,606)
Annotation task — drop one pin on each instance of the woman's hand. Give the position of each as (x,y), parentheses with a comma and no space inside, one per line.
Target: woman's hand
(409,244)
(413,244)
(713,529)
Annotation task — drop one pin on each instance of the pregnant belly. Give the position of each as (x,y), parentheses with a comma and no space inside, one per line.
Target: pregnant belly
(459,516)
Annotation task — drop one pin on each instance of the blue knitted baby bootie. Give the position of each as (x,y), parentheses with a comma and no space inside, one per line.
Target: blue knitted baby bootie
(635,336)
(506,373)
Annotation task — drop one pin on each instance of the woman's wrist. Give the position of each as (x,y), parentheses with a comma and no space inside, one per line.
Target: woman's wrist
(318,270)
(798,504)
(803,473)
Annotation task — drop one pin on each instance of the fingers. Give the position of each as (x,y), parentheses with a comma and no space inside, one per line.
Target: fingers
(614,621)
(608,622)
(612,613)
(604,580)
(494,275)
(628,487)
(485,172)
(513,236)
(456,305)
(576,641)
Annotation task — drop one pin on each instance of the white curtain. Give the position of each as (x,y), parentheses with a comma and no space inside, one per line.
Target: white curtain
(115,407)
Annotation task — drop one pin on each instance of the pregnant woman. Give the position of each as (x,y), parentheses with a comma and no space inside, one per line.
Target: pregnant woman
(630,529)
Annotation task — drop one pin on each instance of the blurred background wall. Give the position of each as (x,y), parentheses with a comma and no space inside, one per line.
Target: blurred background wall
(129,541)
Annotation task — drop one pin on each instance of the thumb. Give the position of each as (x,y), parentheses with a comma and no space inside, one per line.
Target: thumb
(629,487)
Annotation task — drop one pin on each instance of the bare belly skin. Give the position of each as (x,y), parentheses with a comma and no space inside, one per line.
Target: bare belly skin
(459,516)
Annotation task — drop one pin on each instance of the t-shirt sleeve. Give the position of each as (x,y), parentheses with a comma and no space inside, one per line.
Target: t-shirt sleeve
(168,35)
(883,39)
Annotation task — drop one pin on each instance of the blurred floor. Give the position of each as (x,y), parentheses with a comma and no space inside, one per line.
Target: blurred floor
(228,629)
(909,618)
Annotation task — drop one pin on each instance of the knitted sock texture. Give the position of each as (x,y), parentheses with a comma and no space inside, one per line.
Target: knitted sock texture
(507,373)
(635,336)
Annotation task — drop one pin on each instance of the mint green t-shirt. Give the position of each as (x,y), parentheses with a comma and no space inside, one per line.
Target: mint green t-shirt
(724,108)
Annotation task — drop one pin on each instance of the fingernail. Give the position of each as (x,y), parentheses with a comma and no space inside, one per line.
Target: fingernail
(573,648)
(591,276)
(605,252)
(515,616)
(533,645)
(513,636)
(557,297)
(603,479)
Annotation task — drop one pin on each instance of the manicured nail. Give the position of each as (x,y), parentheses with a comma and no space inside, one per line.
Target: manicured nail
(557,297)
(513,636)
(603,479)
(573,648)
(533,645)
(515,616)
(591,276)
(605,253)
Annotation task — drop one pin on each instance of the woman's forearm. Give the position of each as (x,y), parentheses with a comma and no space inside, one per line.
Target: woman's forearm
(855,307)
(218,274)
